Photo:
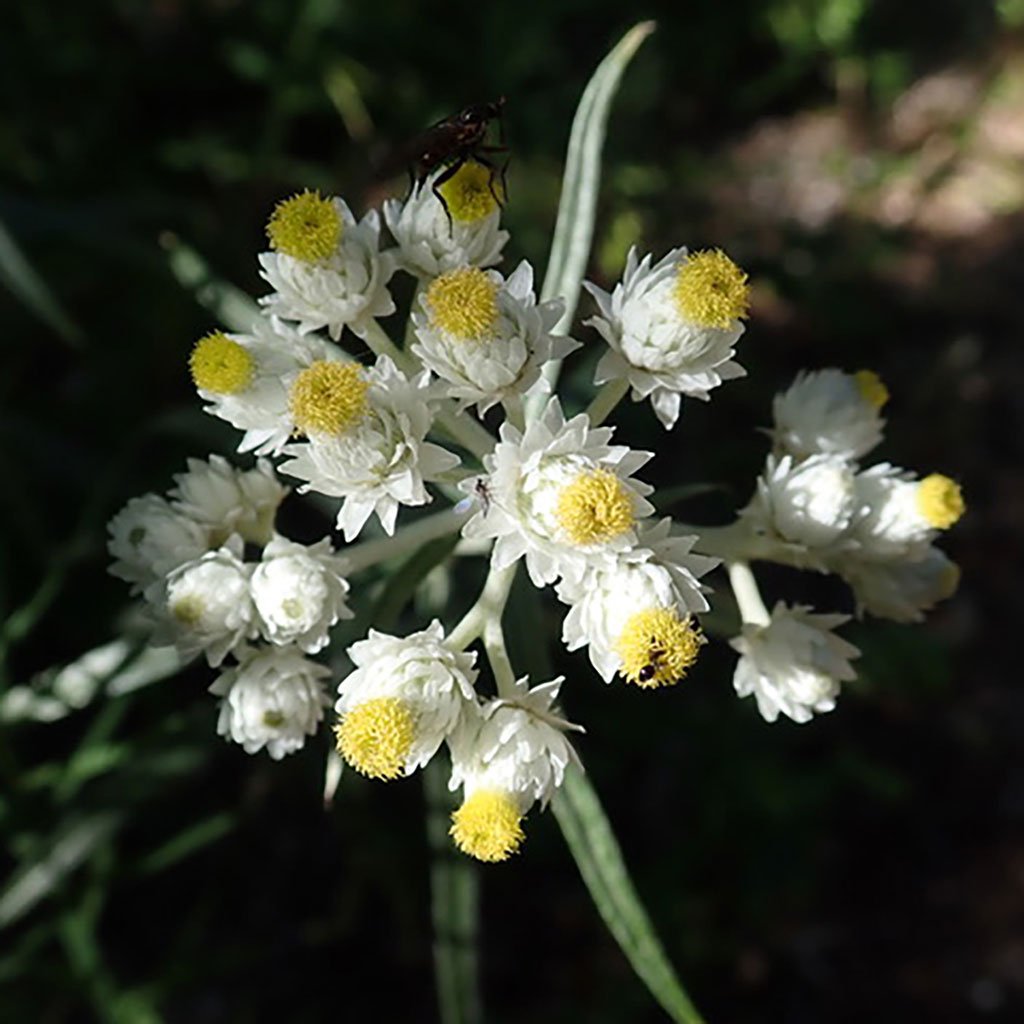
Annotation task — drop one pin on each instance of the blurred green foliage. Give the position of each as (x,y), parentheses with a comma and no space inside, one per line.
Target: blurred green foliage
(156,874)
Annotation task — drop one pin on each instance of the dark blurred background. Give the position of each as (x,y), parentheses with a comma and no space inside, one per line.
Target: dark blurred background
(863,160)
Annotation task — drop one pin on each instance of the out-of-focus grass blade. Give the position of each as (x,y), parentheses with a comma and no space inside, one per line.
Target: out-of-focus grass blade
(115,668)
(183,845)
(455,908)
(574,228)
(229,305)
(37,880)
(21,278)
(597,854)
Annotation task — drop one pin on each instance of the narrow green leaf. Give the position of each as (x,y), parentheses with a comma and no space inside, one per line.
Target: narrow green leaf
(455,908)
(403,583)
(23,282)
(37,880)
(574,228)
(186,843)
(597,854)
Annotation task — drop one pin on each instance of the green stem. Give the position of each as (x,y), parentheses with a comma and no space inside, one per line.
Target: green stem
(410,331)
(748,596)
(497,656)
(514,411)
(408,538)
(455,908)
(484,619)
(606,399)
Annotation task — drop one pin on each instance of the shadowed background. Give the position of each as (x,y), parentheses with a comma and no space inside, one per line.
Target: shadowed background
(863,160)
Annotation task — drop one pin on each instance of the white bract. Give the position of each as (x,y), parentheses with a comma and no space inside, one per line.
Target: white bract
(149,538)
(512,753)
(431,241)
(829,412)
(346,288)
(207,604)
(268,360)
(672,328)
(382,459)
(516,745)
(227,500)
(661,572)
(405,696)
(794,664)
(808,504)
(299,593)
(273,700)
(901,590)
(892,522)
(487,338)
(559,495)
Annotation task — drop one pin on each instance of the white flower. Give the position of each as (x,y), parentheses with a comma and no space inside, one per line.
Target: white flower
(485,337)
(207,603)
(228,500)
(344,287)
(560,495)
(512,753)
(274,699)
(404,698)
(829,412)
(902,590)
(379,458)
(807,504)
(149,538)
(672,328)
(659,573)
(793,665)
(432,242)
(246,378)
(299,593)
(899,516)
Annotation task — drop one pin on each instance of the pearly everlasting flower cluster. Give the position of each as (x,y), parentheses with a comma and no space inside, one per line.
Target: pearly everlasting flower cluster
(218,581)
(875,526)
(380,436)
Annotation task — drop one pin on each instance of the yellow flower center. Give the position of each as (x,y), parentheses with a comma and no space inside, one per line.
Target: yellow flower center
(463,303)
(221,365)
(488,826)
(188,610)
(472,192)
(939,500)
(273,719)
(657,647)
(710,290)
(375,737)
(595,507)
(871,388)
(328,397)
(305,226)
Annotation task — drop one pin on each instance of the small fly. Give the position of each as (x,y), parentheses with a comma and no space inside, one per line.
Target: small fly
(452,141)
(650,670)
(481,492)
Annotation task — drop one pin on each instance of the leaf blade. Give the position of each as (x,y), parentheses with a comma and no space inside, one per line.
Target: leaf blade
(574,227)
(592,843)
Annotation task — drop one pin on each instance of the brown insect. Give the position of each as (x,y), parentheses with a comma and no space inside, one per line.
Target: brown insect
(650,670)
(452,141)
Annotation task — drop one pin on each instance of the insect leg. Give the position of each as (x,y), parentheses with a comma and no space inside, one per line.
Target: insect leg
(495,172)
(446,175)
